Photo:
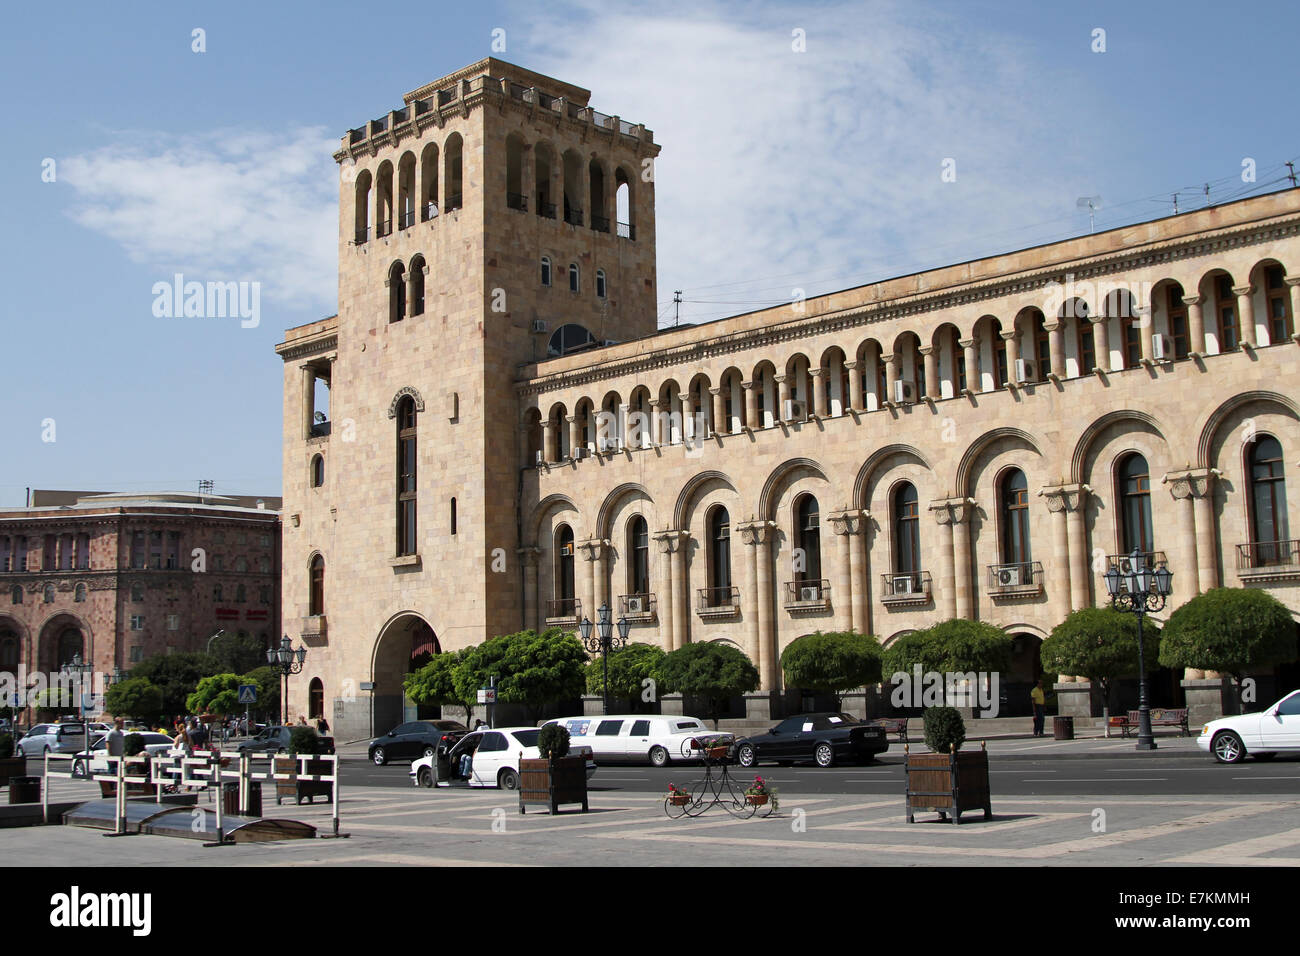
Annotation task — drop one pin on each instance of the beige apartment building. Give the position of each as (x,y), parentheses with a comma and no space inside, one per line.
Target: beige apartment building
(492,434)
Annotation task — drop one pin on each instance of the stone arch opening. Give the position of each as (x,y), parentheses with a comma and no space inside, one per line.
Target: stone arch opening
(405,643)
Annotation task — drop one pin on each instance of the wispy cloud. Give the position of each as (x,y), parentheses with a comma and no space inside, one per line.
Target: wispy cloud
(229,204)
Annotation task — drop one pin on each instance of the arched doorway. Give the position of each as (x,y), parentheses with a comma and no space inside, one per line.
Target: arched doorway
(405,643)
(316,699)
(1026,667)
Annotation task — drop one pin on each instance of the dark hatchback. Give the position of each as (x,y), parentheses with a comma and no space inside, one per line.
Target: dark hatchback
(826,739)
(417,738)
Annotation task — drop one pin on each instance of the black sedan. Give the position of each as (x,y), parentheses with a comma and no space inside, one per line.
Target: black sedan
(418,738)
(276,739)
(826,739)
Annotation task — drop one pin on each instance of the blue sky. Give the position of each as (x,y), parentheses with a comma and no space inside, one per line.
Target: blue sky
(781,169)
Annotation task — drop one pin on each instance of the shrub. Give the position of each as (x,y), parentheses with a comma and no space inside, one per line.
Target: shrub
(945,731)
(831,663)
(6,746)
(304,740)
(553,741)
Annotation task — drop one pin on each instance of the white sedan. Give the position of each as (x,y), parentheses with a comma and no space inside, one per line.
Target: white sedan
(1261,735)
(154,743)
(494,759)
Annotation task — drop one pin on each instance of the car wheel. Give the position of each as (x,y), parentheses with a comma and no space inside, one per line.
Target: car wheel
(379,757)
(425,777)
(745,756)
(79,768)
(824,755)
(19,752)
(1227,748)
(508,780)
(658,756)
(430,751)
(1264,756)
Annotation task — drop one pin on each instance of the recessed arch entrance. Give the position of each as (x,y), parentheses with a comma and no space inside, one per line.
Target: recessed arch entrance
(405,643)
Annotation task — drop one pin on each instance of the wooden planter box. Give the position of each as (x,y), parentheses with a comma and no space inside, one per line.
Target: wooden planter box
(12,767)
(108,788)
(679,799)
(553,783)
(300,789)
(950,784)
(756,799)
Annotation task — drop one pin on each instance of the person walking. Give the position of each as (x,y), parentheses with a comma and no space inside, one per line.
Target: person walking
(1039,700)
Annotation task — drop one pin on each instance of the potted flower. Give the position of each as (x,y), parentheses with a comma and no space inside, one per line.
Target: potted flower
(947,781)
(759,793)
(555,777)
(678,798)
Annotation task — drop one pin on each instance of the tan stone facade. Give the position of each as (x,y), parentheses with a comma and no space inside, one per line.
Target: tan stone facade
(960,442)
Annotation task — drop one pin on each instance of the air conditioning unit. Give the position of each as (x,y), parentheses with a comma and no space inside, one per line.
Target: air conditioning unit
(903,392)
(1159,348)
(582,451)
(609,445)
(1009,577)
(795,411)
(539,326)
(813,593)
(903,584)
(1024,370)
(636,605)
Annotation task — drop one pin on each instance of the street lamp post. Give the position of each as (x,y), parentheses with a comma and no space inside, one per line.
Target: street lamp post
(604,642)
(1140,590)
(76,667)
(289,661)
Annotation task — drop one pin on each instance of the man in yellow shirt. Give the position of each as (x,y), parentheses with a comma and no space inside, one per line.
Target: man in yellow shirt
(1039,700)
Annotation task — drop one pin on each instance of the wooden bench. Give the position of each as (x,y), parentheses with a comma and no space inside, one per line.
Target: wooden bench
(1160,717)
(892,725)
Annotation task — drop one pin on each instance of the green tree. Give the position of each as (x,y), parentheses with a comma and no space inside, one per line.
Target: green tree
(136,697)
(531,669)
(237,653)
(955,646)
(435,683)
(1100,643)
(1234,631)
(267,681)
(177,675)
(218,694)
(832,663)
(629,668)
(711,670)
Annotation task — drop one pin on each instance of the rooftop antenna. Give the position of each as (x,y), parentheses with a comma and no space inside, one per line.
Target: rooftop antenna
(677,306)
(1291,174)
(1175,204)
(205,486)
(1093,203)
(1207,194)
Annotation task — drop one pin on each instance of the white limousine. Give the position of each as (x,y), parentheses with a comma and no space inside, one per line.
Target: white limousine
(635,738)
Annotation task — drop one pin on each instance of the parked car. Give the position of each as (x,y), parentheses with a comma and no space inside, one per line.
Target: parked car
(53,738)
(494,759)
(275,739)
(1260,735)
(154,743)
(635,738)
(415,738)
(826,739)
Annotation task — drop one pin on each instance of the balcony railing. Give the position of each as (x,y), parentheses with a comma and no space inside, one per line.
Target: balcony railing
(807,595)
(363,235)
(430,211)
(384,227)
(320,429)
(546,209)
(406,219)
(564,609)
(573,216)
(626,230)
(517,201)
(453,202)
(905,587)
(1268,559)
(600,223)
(718,602)
(1016,580)
(638,606)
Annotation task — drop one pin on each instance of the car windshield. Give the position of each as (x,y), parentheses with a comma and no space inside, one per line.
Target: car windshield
(526,737)
(843,719)
(449,725)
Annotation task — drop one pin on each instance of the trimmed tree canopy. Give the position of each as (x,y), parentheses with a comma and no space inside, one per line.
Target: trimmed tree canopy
(954,646)
(218,694)
(435,682)
(531,669)
(1100,644)
(629,668)
(1231,630)
(712,670)
(832,663)
(135,697)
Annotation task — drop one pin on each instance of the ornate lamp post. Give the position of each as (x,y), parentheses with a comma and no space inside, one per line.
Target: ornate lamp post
(1140,590)
(289,661)
(78,669)
(604,641)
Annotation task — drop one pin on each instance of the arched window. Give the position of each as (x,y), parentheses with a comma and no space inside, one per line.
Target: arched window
(417,285)
(316,602)
(453,515)
(406,191)
(907,529)
(638,547)
(719,544)
(396,293)
(546,270)
(429,182)
(361,200)
(384,199)
(542,157)
(600,283)
(1225,312)
(1269,529)
(406,459)
(569,337)
(624,210)
(70,645)
(48,594)
(1042,347)
(1176,314)
(596,194)
(808,536)
(1135,505)
(79,593)
(567,607)
(575,285)
(1281,323)
(317,471)
(515,198)
(316,699)
(1014,506)
(241,595)
(452,180)
(16,594)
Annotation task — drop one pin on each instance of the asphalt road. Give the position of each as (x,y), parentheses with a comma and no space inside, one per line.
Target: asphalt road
(1158,773)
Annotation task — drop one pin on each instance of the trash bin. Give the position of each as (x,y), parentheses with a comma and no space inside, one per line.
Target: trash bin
(24,789)
(1063,728)
(230,799)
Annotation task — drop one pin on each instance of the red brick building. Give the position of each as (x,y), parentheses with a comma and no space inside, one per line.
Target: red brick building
(122,576)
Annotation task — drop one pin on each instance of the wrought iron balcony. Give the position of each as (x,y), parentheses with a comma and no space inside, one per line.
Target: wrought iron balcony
(626,230)
(573,216)
(563,609)
(1024,579)
(430,211)
(718,602)
(905,587)
(638,607)
(384,227)
(546,209)
(363,236)
(1268,560)
(600,223)
(807,595)
(453,202)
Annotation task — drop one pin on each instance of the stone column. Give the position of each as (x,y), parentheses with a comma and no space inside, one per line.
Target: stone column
(549,450)
(946,585)
(720,424)
(1207,547)
(933,387)
(1245,314)
(853,400)
(532,613)
(591,550)
(1293,287)
(843,585)
(667,542)
(891,376)
(1147,327)
(871,376)
(681,591)
(656,427)
(688,416)
(308,398)
(767,661)
(751,404)
(1075,498)
(1012,339)
(1056,345)
(757,536)
(971,358)
(962,509)
(1061,564)
(624,436)
(782,399)
(817,382)
(1101,340)
(575,435)
(1195,323)
(1180,487)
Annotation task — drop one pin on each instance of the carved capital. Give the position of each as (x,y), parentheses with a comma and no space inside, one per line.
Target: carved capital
(669,542)
(952,510)
(1193,299)
(856,364)
(1062,499)
(529,556)
(756,532)
(1191,483)
(1240,290)
(748,385)
(715,391)
(593,548)
(966,343)
(849,522)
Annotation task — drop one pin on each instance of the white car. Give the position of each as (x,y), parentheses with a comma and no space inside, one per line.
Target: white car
(494,759)
(636,738)
(154,743)
(1261,735)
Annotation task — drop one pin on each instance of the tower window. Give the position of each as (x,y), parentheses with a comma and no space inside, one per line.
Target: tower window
(574,285)
(600,283)
(453,515)
(546,270)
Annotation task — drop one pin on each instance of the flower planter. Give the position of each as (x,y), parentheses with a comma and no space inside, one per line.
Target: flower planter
(553,783)
(756,799)
(949,784)
(717,753)
(300,789)
(679,799)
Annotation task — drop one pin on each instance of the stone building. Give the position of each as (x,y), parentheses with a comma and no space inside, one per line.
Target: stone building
(119,577)
(510,442)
